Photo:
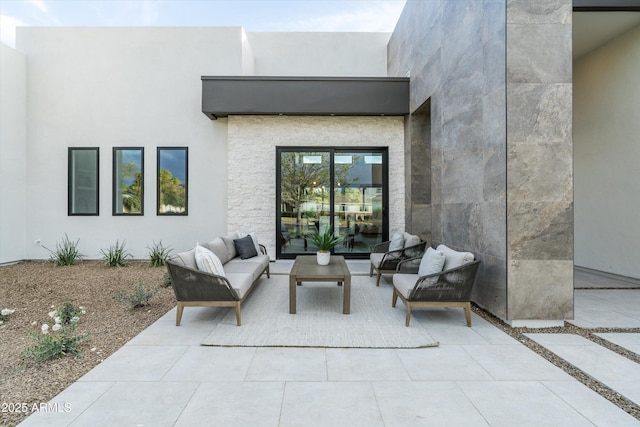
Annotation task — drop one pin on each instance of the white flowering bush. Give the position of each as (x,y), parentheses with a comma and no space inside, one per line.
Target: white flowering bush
(57,336)
(4,314)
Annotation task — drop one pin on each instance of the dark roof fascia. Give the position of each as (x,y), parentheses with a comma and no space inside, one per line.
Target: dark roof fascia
(283,95)
(606,5)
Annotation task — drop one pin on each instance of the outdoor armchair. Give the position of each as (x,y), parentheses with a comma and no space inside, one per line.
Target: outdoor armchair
(448,288)
(384,260)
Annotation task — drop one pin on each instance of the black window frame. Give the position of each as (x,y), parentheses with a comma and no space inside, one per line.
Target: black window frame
(70,181)
(114,182)
(186,180)
(332,152)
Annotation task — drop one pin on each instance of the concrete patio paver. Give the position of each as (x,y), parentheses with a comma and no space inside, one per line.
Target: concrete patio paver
(606,366)
(478,376)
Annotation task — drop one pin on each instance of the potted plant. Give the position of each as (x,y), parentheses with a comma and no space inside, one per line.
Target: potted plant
(324,241)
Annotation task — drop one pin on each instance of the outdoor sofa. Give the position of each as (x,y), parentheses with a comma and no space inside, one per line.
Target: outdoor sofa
(222,280)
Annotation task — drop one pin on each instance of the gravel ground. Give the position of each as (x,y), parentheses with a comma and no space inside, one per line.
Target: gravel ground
(31,288)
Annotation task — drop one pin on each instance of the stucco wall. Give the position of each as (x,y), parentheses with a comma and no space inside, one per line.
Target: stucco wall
(607,154)
(138,86)
(320,54)
(107,87)
(13,86)
(454,53)
(252,159)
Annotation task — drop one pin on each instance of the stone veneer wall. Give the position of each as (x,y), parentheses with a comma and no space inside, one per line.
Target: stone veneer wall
(454,53)
(540,160)
(252,140)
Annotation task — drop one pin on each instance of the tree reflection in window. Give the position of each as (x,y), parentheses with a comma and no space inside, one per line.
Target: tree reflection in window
(172,196)
(128,181)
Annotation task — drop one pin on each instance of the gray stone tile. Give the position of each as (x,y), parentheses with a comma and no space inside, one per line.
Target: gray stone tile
(212,364)
(514,362)
(348,404)
(136,363)
(288,364)
(539,11)
(234,404)
(443,363)
(362,364)
(630,341)
(440,403)
(540,289)
(590,404)
(539,53)
(138,403)
(520,403)
(69,404)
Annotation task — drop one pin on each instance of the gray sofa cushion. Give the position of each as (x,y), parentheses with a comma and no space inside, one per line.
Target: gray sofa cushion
(241,282)
(186,259)
(218,247)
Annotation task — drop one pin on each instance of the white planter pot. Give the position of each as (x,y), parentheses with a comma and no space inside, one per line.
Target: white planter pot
(323,257)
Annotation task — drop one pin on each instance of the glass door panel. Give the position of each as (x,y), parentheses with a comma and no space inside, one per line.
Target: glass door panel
(340,189)
(304,205)
(358,200)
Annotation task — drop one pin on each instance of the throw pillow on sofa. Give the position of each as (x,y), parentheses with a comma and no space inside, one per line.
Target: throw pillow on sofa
(245,247)
(208,261)
(432,262)
(253,237)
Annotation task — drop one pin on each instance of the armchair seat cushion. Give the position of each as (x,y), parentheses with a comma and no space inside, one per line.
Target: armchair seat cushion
(376,258)
(404,283)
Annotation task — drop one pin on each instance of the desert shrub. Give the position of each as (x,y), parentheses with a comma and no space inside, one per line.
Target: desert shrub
(116,256)
(166,280)
(66,253)
(136,297)
(60,339)
(158,254)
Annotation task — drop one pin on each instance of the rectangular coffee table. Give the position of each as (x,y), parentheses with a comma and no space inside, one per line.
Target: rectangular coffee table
(306,269)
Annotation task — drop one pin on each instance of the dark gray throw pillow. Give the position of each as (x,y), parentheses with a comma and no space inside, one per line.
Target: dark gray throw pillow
(245,247)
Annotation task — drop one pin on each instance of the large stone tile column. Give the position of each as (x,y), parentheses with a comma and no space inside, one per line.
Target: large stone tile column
(539,161)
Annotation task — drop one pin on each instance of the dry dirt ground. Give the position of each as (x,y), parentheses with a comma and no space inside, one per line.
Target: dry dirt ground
(31,288)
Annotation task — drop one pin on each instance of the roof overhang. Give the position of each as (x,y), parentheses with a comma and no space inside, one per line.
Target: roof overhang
(308,96)
(606,5)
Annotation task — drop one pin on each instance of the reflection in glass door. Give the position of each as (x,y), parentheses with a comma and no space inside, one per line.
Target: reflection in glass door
(359,199)
(340,189)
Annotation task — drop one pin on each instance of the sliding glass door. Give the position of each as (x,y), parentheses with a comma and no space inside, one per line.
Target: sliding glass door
(336,188)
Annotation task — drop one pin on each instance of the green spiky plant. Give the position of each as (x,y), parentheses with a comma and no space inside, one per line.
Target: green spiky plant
(116,256)
(325,241)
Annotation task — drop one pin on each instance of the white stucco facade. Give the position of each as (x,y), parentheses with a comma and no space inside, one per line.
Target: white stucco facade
(136,87)
(607,154)
(13,161)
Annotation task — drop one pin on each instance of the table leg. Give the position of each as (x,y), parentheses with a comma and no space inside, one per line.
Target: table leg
(346,309)
(292,294)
